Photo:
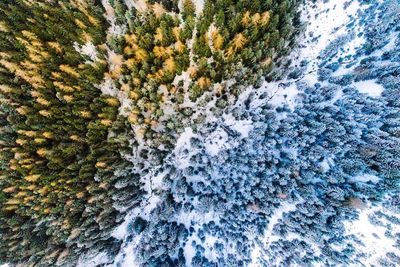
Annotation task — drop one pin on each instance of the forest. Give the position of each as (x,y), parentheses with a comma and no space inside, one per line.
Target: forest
(199,133)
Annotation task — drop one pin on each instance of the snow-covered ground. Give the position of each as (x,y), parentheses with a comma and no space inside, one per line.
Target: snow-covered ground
(376,238)
(369,87)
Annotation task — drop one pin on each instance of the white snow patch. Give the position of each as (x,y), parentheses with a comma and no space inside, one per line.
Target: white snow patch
(311,78)
(216,142)
(355,44)
(329,17)
(365,178)
(107,87)
(392,43)
(140,5)
(343,70)
(375,242)
(243,127)
(209,242)
(152,181)
(255,256)
(325,166)
(183,152)
(126,257)
(369,87)
(93,260)
(219,139)
(328,21)
(351,49)
(188,250)
(114,29)
(327,163)
(283,94)
(278,94)
(185,77)
(388,47)
(287,96)
(269,237)
(144,210)
(338,95)
(199,4)
(88,49)
(187,218)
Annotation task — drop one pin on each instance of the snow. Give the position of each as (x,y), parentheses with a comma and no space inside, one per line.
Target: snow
(220,138)
(93,260)
(209,243)
(183,152)
(365,178)
(243,127)
(188,250)
(140,5)
(375,242)
(278,95)
(199,4)
(268,236)
(327,163)
(369,87)
(389,46)
(355,44)
(351,53)
(114,29)
(187,218)
(88,49)
(325,166)
(330,16)
(152,181)
(115,61)
(284,95)
(108,87)
(216,142)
